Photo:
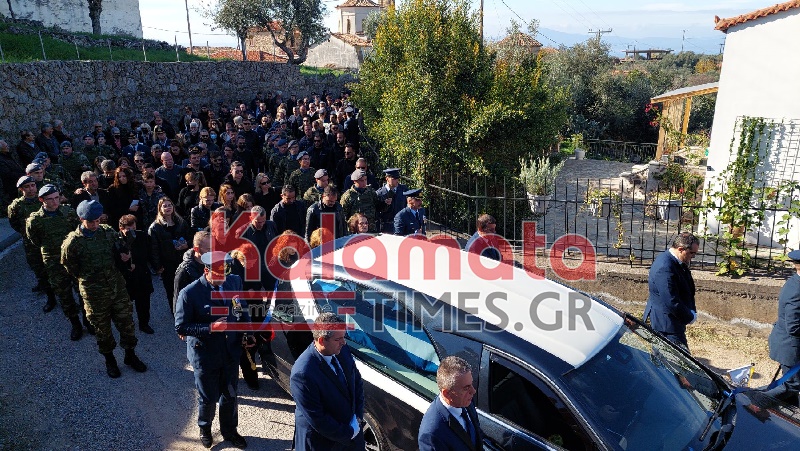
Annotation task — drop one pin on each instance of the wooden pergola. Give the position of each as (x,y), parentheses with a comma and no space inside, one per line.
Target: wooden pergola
(678,108)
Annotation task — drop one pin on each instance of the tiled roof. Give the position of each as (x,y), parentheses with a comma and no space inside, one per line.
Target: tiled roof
(724,24)
(520,39)
(349,3)
(352,39)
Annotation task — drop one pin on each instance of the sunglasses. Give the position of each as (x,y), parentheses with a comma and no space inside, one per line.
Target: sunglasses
(265,183)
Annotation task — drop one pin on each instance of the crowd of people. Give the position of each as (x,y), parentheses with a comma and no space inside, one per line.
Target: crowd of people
(103,212)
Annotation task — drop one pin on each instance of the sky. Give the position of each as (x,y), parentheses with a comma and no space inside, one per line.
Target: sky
(688,23)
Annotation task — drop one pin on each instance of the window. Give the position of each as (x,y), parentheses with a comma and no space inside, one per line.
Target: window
(348,26)
(384,334)
(532,407)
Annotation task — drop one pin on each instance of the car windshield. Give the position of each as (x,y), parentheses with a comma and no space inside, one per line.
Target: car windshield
(640,393)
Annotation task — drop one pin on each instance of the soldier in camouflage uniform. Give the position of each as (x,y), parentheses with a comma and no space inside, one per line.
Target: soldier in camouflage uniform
(18,213)
(313,194)
(105,150)
(53,173)
(92,253)
(89,150)
(288,164)
(74,164)
(275,161)
(47,228)
(302,178)
(361,198)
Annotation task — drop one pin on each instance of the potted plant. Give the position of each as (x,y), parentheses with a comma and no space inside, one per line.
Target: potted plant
(600,201)
(578,146)
(538,177)
(670,205)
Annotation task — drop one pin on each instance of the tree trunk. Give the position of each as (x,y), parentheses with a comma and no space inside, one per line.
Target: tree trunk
(244,49)
(95,8)
(11,10)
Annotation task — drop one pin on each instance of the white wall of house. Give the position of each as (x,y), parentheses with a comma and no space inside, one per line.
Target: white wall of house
(118,16)
(356,16)
(333,52)
(759,78)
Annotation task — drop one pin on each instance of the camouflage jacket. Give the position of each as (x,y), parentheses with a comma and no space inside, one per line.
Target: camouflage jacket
(18,213)
(365,202)
(302,180)
(91,260)
(74,165)
(47,232)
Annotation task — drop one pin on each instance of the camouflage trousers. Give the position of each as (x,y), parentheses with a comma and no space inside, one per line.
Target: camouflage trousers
(62,283)
(112,305)
(34,258)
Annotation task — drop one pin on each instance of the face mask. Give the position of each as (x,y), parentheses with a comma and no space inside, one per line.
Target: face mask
(213,136)
(240,146)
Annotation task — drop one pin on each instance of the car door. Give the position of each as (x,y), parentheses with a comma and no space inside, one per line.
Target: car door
(522,412)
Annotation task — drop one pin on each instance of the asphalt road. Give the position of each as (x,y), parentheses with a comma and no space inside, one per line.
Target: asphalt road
(55,394)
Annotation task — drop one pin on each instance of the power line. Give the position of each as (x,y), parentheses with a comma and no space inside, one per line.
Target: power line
(186,32)
(584,19)
(539,33)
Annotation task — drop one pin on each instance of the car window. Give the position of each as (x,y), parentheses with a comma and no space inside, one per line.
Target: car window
(383,333)
(533,408)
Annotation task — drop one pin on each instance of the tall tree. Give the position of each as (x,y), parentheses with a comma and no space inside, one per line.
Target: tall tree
(236,17)
(95,8)
(294,25)
(435,98)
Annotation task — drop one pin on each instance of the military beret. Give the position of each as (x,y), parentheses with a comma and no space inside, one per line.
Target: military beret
(33,167)
(24,180)
(66,144)
(301,155)
(348,109)
(90,210)
(47,190)
(101,134)
(320,173)
(110,118)
(413,192)
(358,174)
(114,130)
(292,143)
(41,156)
(88,135)
(282,141)
(39,161)
(392,172)
(794,255)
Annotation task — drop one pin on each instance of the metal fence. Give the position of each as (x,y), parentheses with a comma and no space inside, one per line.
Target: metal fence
(625,221)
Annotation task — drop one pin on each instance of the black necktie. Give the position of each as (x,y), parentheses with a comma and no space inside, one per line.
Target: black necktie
(468,424)
(339,372)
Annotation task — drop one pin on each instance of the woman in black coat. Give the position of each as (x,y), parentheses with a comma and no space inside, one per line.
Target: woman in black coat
(121,196)
(138,281)
(168,240)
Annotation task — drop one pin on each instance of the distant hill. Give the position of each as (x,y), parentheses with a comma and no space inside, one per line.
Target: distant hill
(708,45)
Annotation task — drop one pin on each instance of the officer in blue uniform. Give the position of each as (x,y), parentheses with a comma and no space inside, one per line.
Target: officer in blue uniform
(211,348)
(411,220)
(784,340)
(391,193)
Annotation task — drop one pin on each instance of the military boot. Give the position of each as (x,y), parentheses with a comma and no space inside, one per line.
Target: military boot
(51,301)
(77,329)
(111,366)
(133,361)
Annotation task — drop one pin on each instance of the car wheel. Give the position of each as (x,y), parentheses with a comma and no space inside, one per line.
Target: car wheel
(373,438)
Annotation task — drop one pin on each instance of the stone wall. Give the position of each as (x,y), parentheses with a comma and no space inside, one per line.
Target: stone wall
(118,16)
(81,92)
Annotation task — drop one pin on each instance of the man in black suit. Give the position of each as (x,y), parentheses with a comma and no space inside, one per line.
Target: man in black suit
(670,305)
(328,391)
(784,340)
(451,422)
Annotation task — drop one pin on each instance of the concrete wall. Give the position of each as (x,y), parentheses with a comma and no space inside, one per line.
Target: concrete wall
(334,53)
(759,78)
(79,92)
(118,16)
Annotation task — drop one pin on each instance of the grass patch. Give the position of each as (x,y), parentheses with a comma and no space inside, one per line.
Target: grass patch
(21,48)
(309,70)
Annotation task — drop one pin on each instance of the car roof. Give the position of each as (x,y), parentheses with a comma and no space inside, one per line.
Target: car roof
(486,289)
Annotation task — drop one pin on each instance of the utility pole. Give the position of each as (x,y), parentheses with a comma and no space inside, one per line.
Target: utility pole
(189,26)
(600,33)
(481,22)
(683,38)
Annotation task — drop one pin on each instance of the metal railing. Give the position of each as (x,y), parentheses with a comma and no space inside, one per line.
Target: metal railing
(624,221)
(621,151)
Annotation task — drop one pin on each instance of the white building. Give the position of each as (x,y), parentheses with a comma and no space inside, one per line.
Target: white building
(347,48)
(117,17)
(759,78)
